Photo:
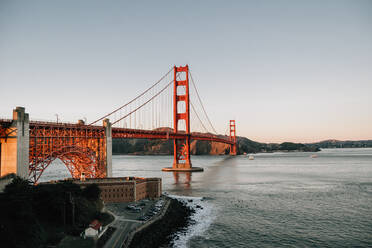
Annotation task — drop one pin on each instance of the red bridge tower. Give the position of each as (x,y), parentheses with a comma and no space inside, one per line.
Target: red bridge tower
(233,137)
(181,146)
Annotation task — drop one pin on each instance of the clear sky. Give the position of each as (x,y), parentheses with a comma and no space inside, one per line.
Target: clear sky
(285,70)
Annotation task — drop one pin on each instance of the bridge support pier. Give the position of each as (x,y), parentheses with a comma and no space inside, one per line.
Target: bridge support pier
(14,145)
(108,137)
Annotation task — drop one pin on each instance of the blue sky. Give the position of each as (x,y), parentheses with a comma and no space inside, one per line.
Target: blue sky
(285,70)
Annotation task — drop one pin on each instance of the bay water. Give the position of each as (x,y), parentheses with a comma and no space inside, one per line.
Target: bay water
(276,200)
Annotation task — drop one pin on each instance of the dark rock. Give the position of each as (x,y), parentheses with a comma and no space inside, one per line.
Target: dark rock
(159,234)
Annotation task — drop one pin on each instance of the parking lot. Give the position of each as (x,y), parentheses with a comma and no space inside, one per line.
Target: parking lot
(130,216)
(138,211)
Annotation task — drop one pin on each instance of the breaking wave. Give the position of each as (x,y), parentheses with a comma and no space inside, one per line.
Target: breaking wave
(205,213)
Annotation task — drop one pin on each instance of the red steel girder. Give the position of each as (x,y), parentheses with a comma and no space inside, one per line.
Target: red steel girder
(48,141)
(80,147)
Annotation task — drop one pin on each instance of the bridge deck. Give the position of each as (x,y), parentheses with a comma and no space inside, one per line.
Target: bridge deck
(128,133)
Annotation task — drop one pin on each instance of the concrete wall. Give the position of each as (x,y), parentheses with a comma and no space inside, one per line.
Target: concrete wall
(9,154)
(15,147)
(141,191)
(153,188)
(108,134)
(23,141)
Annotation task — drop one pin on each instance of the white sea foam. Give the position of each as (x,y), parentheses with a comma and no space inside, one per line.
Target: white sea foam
(202,218)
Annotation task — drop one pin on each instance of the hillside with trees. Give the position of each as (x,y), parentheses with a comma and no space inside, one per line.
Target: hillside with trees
(165,147)
(41,215)
(343,144)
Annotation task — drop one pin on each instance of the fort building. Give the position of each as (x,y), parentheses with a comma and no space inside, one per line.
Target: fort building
(125,189)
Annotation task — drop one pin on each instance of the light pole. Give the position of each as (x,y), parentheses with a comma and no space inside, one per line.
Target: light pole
(57,117)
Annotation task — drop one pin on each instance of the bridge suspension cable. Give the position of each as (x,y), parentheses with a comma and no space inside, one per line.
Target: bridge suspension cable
(196,113)
(201,103)
(143,103)
(152,109)
(125,105)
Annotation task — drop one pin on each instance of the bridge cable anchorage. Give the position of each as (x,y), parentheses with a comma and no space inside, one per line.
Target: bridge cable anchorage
(143,103)
(197,93)
(133,99)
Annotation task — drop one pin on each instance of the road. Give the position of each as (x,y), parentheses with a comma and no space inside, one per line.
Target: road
(126,220)
(118,237)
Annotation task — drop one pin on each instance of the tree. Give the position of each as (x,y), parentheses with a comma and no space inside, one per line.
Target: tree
(18,186)
(92,192)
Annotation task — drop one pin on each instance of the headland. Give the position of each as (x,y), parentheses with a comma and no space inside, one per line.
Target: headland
(109,212)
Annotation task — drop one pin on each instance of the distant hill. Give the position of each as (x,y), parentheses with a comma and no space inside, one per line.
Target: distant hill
(343,144)
(198,147)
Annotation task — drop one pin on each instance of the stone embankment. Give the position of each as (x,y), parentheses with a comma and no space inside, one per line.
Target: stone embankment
(158,232)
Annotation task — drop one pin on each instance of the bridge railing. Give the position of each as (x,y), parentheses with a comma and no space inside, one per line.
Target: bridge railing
(42,121)
(5,119)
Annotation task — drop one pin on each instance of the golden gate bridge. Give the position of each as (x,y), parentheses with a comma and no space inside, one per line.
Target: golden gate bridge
(171,108)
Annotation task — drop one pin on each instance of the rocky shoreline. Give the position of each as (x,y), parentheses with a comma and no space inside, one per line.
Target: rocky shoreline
(160,233)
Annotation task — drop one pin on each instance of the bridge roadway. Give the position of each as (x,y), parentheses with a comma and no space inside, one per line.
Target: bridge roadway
(117,133)
(82,148)
(154,134)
